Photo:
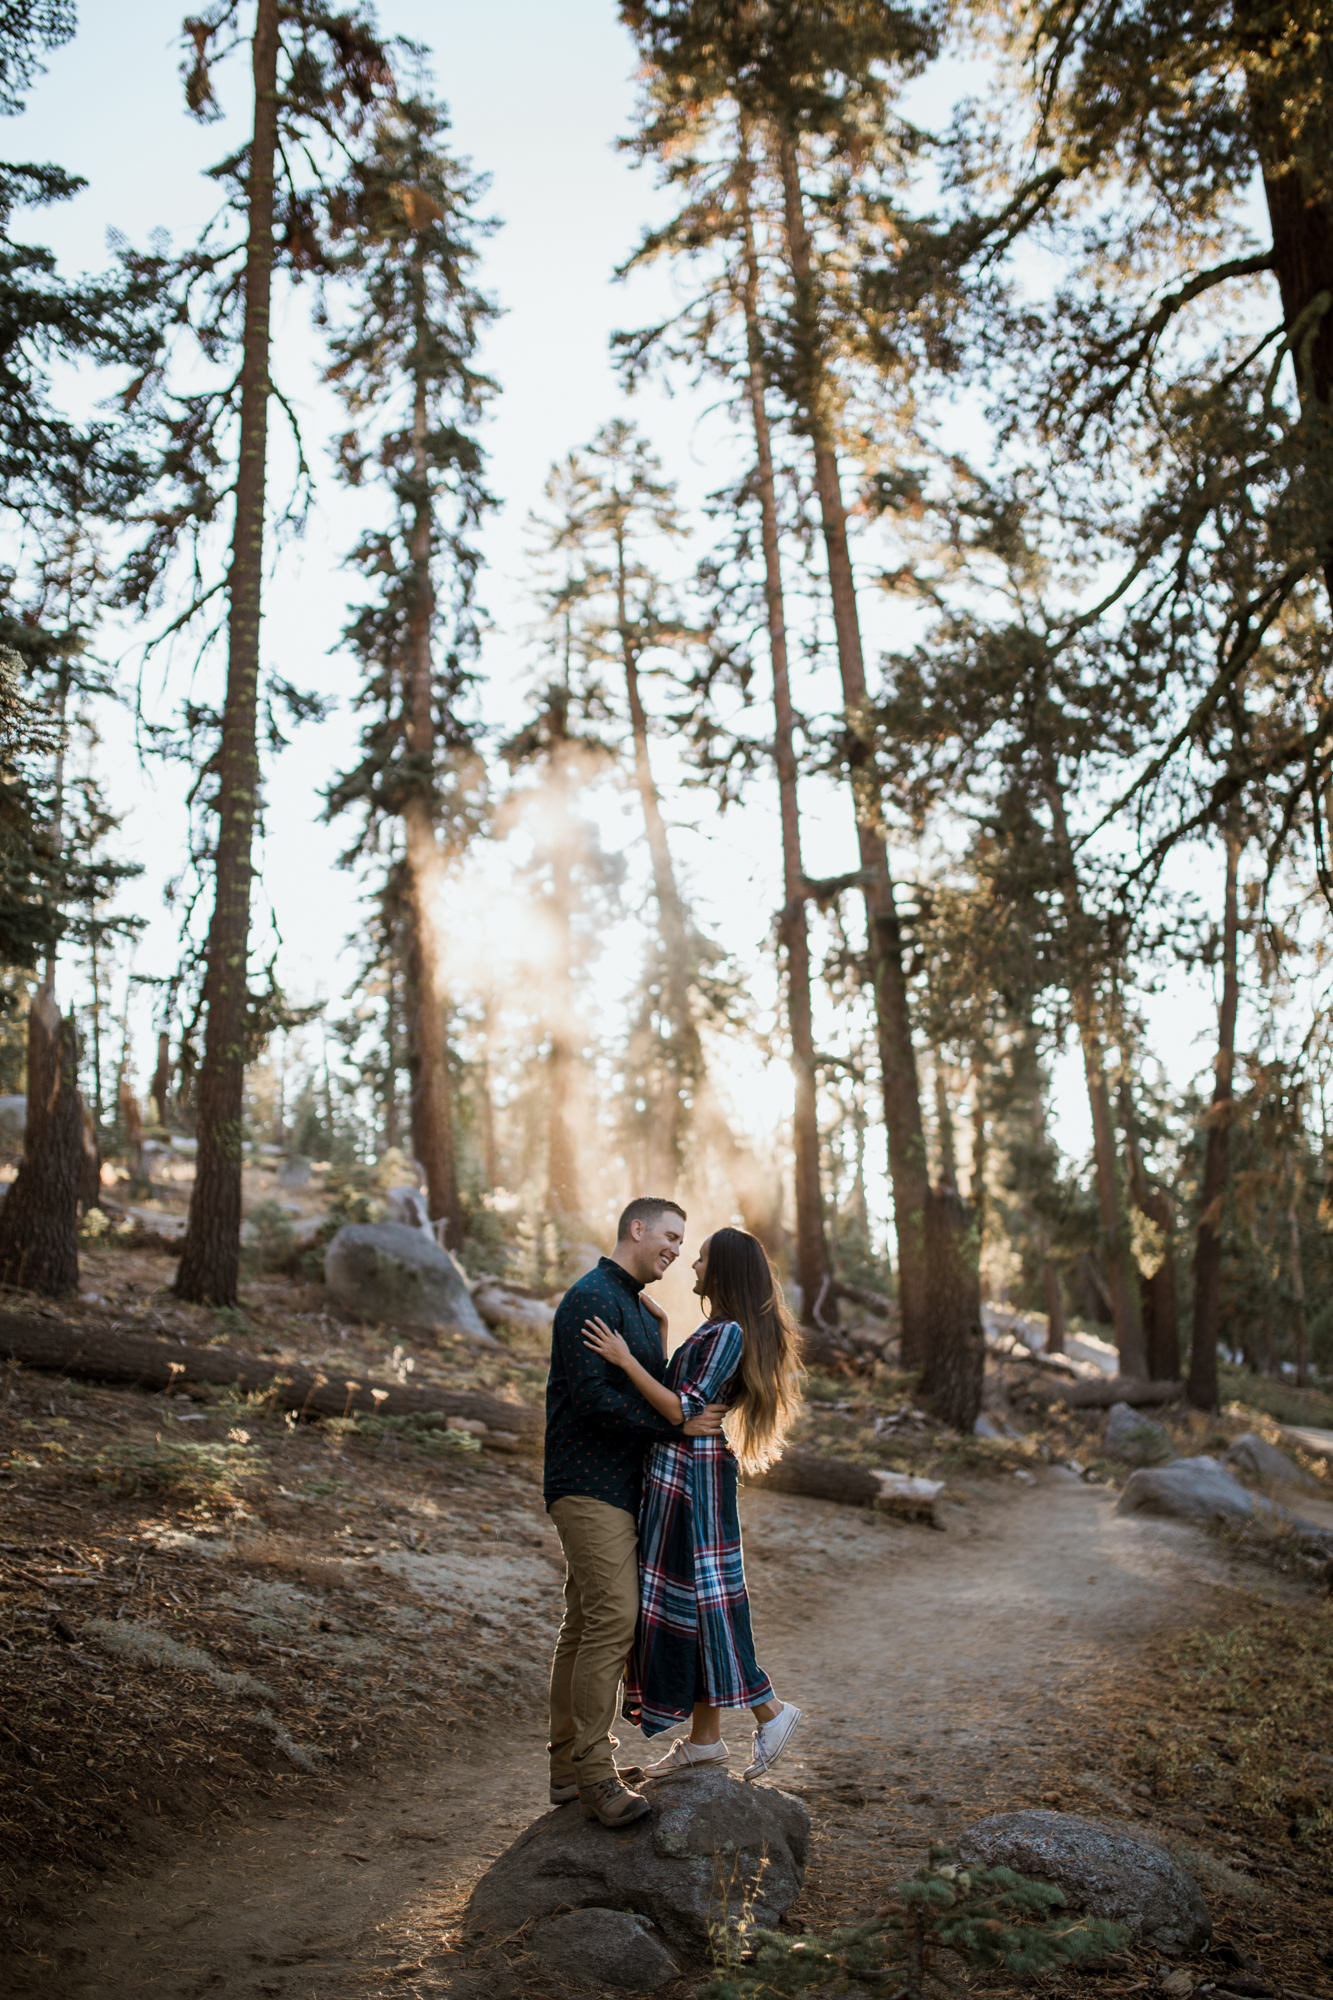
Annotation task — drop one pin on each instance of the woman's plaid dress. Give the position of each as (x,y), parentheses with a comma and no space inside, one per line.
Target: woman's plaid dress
(693,1642)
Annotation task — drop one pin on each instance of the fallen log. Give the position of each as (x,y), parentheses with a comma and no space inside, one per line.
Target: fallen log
(871,1302)
(819,1478)
(1100,1394)
(134,1360)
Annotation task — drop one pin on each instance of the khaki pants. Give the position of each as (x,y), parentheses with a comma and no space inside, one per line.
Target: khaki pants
(601,1548)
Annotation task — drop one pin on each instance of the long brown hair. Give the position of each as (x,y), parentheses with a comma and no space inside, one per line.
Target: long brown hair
(739,1285)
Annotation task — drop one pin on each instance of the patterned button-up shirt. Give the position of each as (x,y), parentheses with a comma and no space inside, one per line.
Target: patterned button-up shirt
(598,1426)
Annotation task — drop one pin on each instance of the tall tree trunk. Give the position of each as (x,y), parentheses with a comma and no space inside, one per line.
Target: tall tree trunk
(39,1221)
(1202,1386)
(161,1083)
(432,1089)
(685,1058)
(1300,1343)
(490,1155)
(210,1261)
(392,1052)
(1288,140)
(814,1272)
(948,1163)
(1157,1293)
(564,1195)
(954,1373)
(902,1098)
(1121,1270)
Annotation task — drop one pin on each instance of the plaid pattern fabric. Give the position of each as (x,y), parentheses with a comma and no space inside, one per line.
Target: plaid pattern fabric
(694,1641)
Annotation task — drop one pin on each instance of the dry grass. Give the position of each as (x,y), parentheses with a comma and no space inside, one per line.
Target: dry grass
(1247,1727)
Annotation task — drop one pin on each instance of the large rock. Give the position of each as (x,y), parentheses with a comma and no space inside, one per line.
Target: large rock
(609,1946)
(1103,1872)
(384,1271)
(1253,1457)
(709,1838)
(1198,1489)
(1135,1439)
(408,1206)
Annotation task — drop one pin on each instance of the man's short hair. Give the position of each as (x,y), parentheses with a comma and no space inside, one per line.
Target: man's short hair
(647,1208)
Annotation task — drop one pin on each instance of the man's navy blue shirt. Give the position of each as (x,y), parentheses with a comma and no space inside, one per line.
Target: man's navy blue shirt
(598,1426)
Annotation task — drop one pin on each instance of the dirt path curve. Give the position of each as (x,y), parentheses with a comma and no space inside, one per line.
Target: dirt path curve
(940,1673)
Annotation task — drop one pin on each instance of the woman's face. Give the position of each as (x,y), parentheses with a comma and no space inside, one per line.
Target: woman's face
(701,1267)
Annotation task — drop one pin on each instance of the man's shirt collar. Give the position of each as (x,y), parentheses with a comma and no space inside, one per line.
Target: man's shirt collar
(617,1271)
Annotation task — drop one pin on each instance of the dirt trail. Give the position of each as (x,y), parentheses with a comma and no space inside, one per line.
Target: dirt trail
(941,1674)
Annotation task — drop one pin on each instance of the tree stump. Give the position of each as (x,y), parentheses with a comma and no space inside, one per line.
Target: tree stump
(956,1350)
(39,1224)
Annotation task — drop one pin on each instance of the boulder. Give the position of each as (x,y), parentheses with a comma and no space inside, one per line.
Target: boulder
(1198,1489)
(1254,1458)
(1102,1871)
(611,1947)
(407,1205)
(385,1271)
(294,1172)
(499,1306)
(1135,1439)
(709,1838)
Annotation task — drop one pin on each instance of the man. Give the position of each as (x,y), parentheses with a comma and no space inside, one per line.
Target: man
(597,1430)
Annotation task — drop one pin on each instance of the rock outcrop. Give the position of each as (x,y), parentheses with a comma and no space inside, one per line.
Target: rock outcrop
(710,1843)
(386,1271)
(605,1947)
(1102,1871)
(1198,1489)
(1252,1457)
(1134,1439)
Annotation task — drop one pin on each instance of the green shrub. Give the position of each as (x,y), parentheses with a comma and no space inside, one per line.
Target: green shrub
(988,1917)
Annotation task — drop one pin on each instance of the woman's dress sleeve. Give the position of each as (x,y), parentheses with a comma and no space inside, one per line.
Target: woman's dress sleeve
(709,1366)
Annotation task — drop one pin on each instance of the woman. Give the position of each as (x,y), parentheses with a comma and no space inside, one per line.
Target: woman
(693,1654)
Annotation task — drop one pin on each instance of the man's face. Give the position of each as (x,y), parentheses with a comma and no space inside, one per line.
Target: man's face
(654,1247)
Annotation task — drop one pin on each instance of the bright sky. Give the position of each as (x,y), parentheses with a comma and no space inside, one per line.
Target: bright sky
(538,95)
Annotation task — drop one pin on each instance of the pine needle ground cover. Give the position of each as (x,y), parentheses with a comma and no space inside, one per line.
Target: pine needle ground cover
(208,1609)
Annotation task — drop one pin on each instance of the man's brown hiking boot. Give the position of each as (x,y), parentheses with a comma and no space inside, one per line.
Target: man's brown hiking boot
(612,1803)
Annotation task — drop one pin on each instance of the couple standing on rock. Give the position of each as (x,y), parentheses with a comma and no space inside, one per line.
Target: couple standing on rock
(641,1484)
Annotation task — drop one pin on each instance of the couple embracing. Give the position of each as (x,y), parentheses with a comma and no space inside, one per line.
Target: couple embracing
(641,1485)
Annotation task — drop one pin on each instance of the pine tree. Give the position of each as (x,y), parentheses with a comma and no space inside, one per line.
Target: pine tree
(790,75)
(315,74)
(405,366)
(724,332)
(612,505)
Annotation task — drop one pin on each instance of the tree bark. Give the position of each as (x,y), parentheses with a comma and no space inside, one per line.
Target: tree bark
(39,1221)
(956,1347)
(1301,1344)
(161,1083)
(564,1195)
(902,1099)
(813,1269)
(1301,222)
(1157,1294)
(948,1163)
(1121,1271)
(686,1053)
(90,1160)
(210,1261)
(428,1047)
(1202,1386)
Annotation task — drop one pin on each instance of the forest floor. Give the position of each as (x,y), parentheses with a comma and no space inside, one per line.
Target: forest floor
(274,1693)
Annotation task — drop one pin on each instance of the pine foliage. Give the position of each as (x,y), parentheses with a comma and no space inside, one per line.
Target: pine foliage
(989,1918)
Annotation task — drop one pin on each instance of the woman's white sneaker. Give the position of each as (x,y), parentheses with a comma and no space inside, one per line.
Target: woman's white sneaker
(683,1753)
(771,1739)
